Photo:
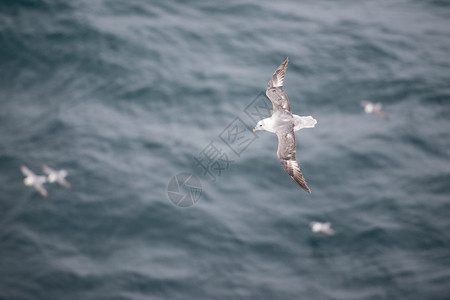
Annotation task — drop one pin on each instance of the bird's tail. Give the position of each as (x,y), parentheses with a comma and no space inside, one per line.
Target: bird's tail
(304,122)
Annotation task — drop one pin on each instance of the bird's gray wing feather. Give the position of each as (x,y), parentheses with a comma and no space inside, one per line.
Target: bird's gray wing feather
(47,170)
(286,155)
(381,113)
(64,183)
(41,189)
(364,103)
(275,90)
(26,171)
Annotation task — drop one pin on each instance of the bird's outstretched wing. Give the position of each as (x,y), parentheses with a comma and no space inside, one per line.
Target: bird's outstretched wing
(47,170)
(364,103)
(64,183)
(286,155)
(275,90)
(27,172)
(41,189)
(379,111)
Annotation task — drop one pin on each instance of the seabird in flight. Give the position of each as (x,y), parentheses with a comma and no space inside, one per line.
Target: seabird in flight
(284,123)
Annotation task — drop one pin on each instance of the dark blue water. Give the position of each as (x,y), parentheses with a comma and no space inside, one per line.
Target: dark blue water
(126,94)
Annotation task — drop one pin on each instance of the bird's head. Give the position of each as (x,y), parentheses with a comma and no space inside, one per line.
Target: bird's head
(259,126)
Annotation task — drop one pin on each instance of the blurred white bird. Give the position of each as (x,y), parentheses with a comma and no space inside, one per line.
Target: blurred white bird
(56,176)
(370,107)
(32,179)
(322,227)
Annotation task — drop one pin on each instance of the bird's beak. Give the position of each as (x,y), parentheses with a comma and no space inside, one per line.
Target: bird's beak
(254,130)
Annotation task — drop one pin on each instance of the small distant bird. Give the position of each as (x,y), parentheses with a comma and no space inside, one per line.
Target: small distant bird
(322,227)
(59,176)
(370,107)
(32,179)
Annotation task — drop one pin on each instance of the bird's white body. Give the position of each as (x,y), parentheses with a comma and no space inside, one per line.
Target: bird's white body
(35,181)
(32,180)
(271,124)
(56,176)
(377,108)
(322,227)
(369,108)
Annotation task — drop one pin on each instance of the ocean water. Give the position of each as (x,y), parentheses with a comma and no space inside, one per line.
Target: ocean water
(125,95)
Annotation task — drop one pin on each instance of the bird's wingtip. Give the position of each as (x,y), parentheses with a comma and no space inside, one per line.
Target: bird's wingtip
(305,187)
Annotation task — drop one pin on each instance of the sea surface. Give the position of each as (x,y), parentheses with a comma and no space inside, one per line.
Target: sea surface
(126,95)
